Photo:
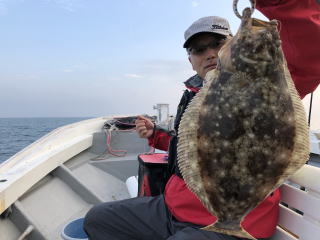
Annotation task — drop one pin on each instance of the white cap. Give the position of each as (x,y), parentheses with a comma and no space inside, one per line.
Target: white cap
(211,24)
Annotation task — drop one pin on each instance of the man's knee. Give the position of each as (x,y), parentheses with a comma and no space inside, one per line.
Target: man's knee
(96,215)
(90,218)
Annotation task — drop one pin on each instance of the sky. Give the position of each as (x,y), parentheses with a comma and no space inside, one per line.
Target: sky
(90,58)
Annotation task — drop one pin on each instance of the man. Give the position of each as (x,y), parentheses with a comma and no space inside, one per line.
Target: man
(300,34)
(177,214)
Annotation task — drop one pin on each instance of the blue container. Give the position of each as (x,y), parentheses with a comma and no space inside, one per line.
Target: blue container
(74,230)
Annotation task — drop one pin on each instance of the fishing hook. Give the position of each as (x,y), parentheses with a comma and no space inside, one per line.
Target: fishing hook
(235,9)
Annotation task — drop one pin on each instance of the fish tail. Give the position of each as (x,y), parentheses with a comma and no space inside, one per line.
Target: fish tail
(229,228)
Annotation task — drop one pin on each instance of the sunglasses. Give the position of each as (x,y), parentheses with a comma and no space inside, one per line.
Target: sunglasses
(201,49)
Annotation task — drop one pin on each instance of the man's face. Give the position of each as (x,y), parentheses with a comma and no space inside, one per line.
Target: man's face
(203,52)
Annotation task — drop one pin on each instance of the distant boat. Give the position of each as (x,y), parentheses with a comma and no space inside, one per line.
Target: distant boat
(62,175)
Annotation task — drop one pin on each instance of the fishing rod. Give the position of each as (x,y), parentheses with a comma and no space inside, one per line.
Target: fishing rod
(309,117)
(310,111)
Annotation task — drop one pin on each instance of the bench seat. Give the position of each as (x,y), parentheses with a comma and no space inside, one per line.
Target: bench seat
(300,206)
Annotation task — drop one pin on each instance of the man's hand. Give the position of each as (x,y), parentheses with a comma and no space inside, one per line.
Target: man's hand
(144,127)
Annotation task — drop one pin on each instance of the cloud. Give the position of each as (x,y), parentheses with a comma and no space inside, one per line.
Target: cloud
(69,5)
(195,3)
(23,77)
(176,69)
(3,7)
(72,68)
(56,93)
(132,75)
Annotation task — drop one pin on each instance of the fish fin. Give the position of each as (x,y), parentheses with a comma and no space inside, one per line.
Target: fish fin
(238,232)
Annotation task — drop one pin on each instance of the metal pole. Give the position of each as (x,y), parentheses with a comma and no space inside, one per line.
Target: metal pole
(309,117)
(310,108)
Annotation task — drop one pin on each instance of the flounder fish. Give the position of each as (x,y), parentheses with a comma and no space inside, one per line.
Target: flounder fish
(245,132)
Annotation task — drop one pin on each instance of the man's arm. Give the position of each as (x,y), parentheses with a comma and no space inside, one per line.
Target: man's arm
(161,138)
(157,137)
(300,35)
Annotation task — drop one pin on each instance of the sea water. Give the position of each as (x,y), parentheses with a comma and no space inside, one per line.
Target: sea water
(17,133)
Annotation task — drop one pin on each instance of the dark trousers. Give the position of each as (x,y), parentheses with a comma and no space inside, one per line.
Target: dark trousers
(143,218)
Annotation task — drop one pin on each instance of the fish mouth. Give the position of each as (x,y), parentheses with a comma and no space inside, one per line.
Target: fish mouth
(253,61)
(247,60)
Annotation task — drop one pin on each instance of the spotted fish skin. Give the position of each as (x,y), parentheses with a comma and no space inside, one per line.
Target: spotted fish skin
(245,132)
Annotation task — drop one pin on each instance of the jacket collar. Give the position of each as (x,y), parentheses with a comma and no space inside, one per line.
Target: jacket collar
(194,83)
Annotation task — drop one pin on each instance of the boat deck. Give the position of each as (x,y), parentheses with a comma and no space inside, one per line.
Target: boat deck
(91,177)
